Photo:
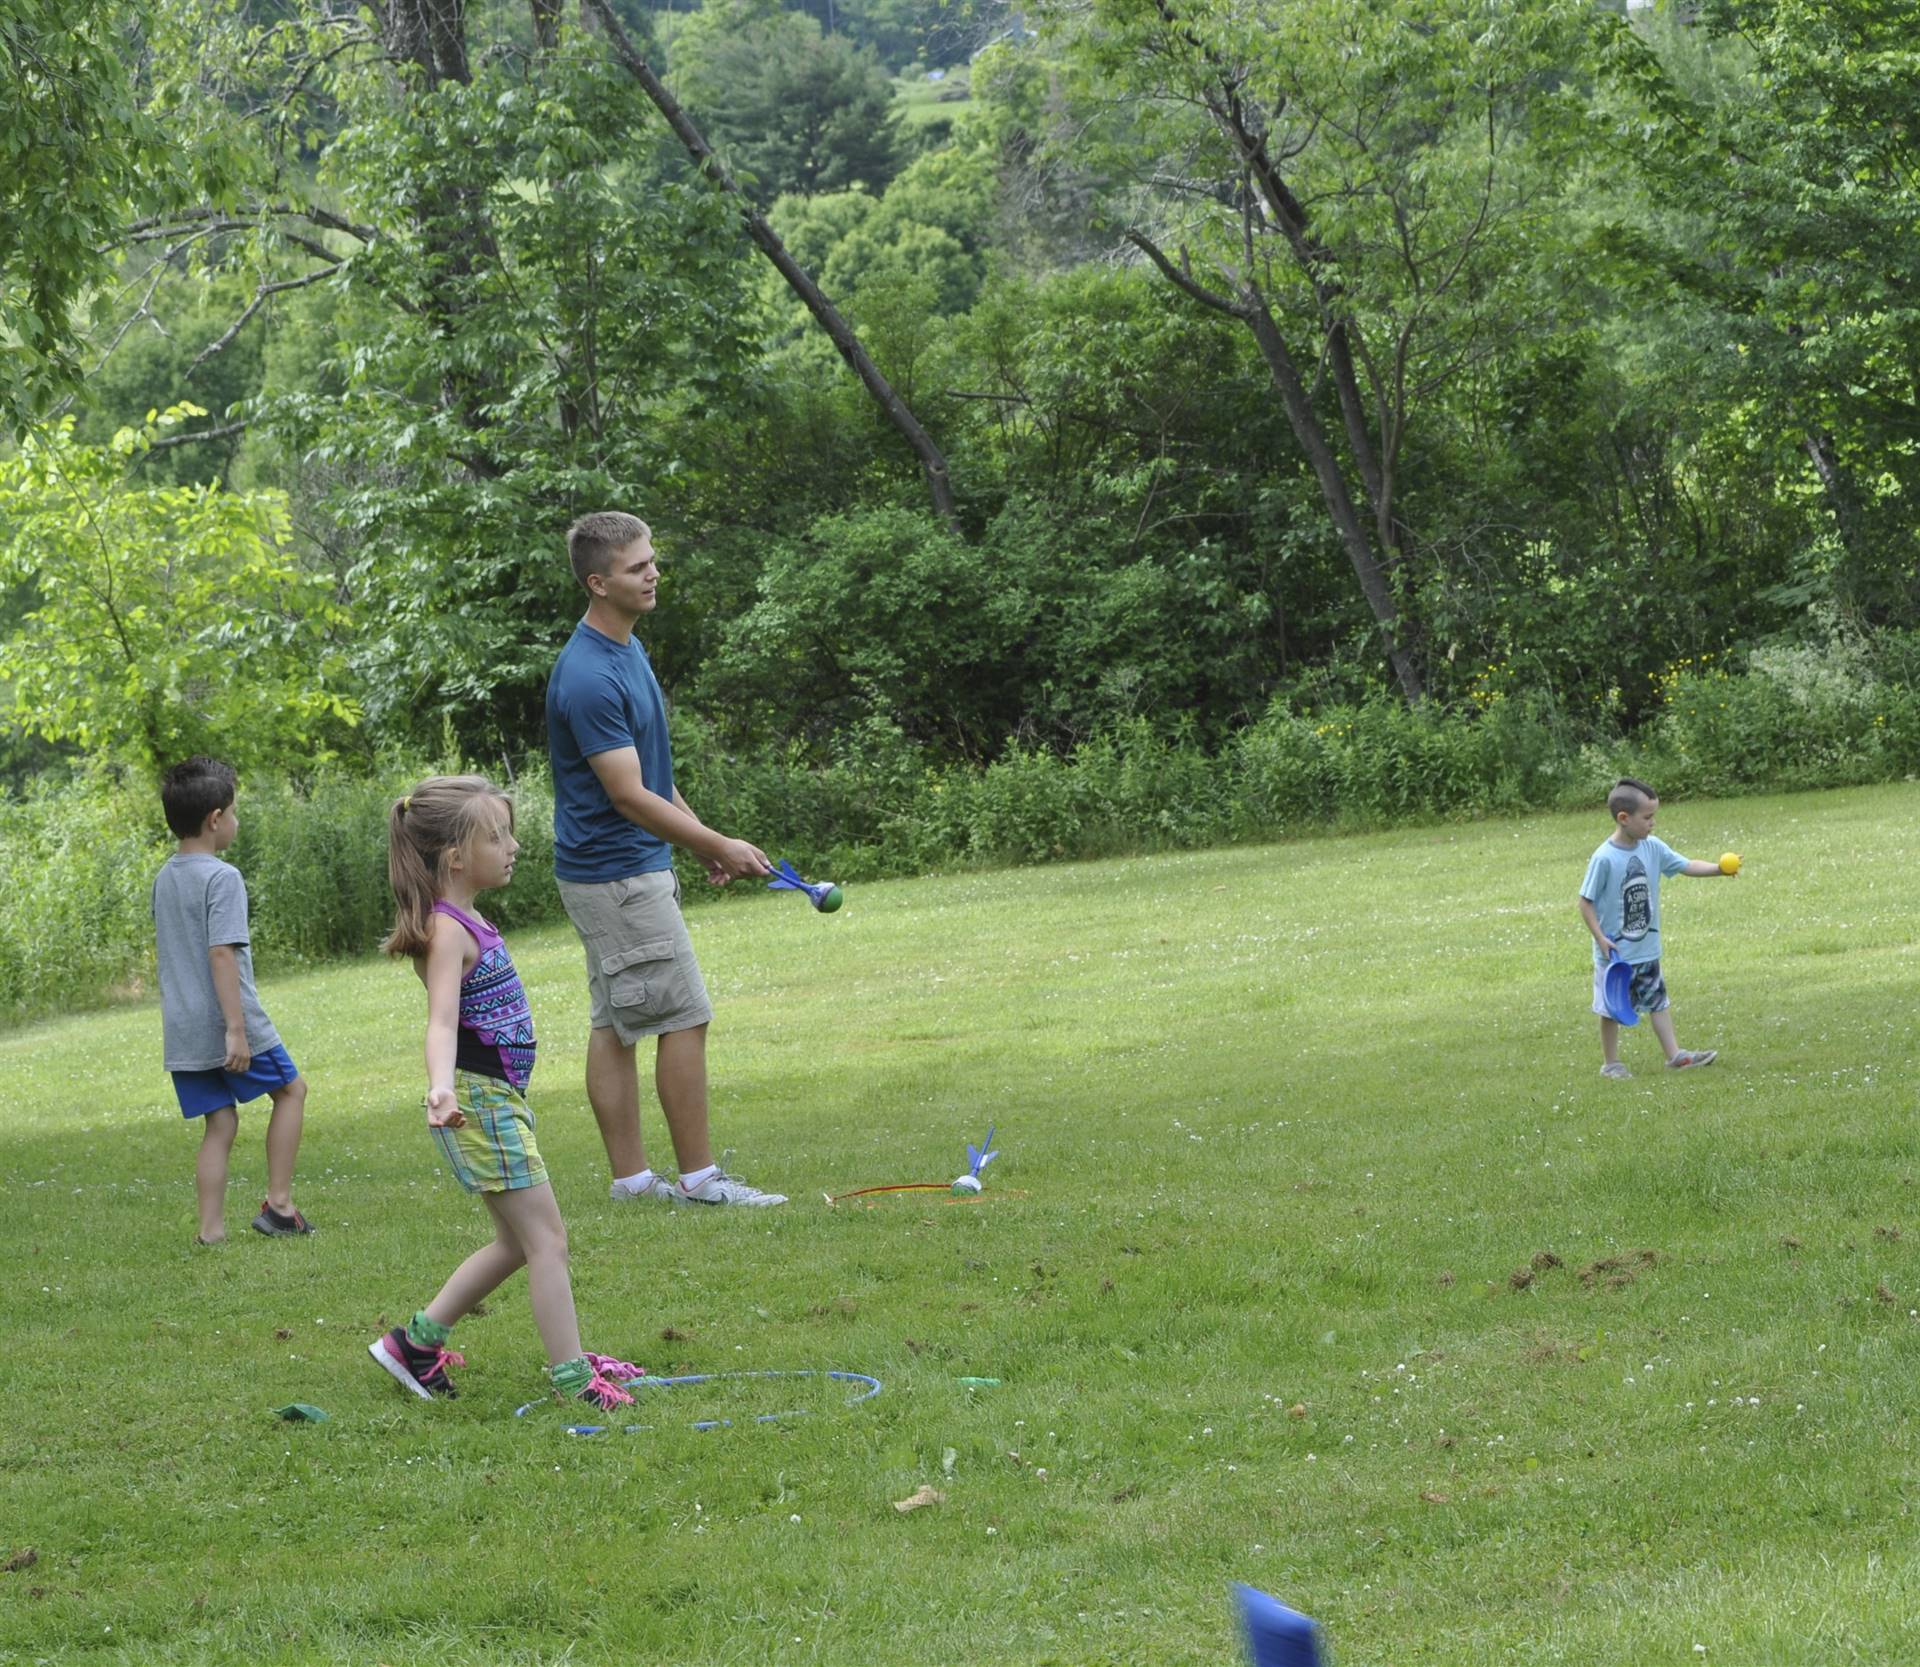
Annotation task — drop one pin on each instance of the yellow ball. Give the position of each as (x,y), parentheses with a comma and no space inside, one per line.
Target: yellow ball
(1730,862)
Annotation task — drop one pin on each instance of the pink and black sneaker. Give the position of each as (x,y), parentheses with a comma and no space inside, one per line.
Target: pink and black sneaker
(621,1371)
(603,1394)
(421,1370)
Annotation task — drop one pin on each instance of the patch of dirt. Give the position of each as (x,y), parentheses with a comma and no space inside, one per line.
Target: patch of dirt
(283,1333)
(1445,1278)
(673,1334)
(23,1559)
(1789,1243)
(1618,1272)
(1890,1234)
(1437,1498)
(1882,1294)
(1544,1259)
(1520,1278)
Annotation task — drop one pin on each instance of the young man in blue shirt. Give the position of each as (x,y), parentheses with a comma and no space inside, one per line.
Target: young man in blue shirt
(617,816)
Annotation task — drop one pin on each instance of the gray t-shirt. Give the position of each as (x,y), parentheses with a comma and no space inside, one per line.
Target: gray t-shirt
(200,901)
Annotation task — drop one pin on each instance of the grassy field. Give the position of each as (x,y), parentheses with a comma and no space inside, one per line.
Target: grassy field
(1318,1256)
(920,101)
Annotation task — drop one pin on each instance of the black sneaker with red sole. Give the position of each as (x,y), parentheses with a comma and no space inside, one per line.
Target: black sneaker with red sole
(277,1226)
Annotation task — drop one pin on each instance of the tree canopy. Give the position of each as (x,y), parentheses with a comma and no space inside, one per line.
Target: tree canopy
(991,376)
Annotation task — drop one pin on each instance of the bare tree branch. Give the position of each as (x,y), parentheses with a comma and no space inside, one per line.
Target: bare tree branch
(933,463)
(198,434)
(260,297)
(1181,276)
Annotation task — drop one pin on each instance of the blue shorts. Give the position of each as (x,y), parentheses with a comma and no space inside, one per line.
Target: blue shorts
(200,1092)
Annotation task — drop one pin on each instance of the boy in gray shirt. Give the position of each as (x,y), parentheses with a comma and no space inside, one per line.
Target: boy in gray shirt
(220,1045)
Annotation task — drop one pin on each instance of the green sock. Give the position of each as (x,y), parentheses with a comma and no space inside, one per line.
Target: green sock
(572,1376)
(426,1333)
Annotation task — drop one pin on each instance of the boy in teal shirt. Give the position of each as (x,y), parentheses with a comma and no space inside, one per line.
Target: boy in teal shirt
(1620,902)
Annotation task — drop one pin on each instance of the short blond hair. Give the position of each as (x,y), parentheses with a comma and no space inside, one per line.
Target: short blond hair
(594,540)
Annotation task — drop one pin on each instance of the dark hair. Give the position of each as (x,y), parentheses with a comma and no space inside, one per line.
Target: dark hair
(192,791)
(442,814)
(1628,795)
(594,539)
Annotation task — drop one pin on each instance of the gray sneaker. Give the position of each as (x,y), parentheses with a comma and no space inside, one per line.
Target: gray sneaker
(1689,1057)
(722,1188)
(1615,1070)
(656,1191)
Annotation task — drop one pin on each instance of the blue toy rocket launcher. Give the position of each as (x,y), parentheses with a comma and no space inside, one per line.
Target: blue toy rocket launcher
(1617,991)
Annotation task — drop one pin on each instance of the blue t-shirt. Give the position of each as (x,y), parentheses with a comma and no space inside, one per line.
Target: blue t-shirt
(1623,885)
(602,696)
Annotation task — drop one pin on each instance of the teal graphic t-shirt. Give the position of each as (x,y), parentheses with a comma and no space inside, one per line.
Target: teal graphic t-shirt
(1623,885)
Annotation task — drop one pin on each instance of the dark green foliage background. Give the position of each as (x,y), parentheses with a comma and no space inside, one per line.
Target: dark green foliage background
(1656,510)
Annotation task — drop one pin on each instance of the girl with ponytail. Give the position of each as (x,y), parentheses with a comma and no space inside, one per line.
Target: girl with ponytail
(450,839)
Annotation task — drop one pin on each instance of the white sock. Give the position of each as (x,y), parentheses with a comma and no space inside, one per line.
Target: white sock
(699,1177)
(635,1183)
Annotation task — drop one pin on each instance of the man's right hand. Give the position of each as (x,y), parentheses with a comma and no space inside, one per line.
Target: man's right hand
(735,859)
(239,1055)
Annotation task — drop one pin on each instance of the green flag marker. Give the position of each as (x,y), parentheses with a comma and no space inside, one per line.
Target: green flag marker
(298,1412)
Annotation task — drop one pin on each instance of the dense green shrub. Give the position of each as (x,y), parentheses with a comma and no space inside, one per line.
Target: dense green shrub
(76,861)
(77,865)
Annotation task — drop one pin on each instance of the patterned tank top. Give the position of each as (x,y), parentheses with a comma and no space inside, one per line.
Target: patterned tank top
(496,1025)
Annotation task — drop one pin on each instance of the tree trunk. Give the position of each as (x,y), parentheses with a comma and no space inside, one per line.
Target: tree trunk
(1842,497)
(933,465)
(1308,430)
(429,33)
(1251,309)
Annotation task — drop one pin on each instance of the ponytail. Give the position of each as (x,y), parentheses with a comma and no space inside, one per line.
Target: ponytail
(441,815)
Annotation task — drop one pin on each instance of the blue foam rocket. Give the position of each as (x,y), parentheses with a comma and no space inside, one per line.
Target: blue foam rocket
(824,894)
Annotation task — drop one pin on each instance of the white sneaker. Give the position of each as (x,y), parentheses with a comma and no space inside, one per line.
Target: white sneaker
(656,1191)
(1687,1058)
(1616,1070)
(722,1188)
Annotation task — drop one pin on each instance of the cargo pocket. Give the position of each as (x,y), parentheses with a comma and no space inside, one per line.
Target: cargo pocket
(646,980)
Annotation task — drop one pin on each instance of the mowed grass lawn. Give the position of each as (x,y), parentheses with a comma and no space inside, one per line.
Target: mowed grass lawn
(1280,1127)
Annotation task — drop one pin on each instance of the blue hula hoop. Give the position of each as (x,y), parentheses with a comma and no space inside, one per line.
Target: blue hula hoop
(873,1389)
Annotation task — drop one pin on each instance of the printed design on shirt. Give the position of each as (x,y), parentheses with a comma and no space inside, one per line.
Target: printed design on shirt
(1636,902)
(493,1005)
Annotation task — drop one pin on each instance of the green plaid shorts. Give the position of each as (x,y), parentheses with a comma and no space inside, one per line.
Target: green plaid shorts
(494,1151)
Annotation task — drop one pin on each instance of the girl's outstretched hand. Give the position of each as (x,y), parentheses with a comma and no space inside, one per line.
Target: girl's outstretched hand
(443,1110)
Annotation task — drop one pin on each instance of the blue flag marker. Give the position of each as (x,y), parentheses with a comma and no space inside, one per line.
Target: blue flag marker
(1276,1635)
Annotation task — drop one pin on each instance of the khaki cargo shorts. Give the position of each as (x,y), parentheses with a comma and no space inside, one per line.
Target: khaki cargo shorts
(641,971)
